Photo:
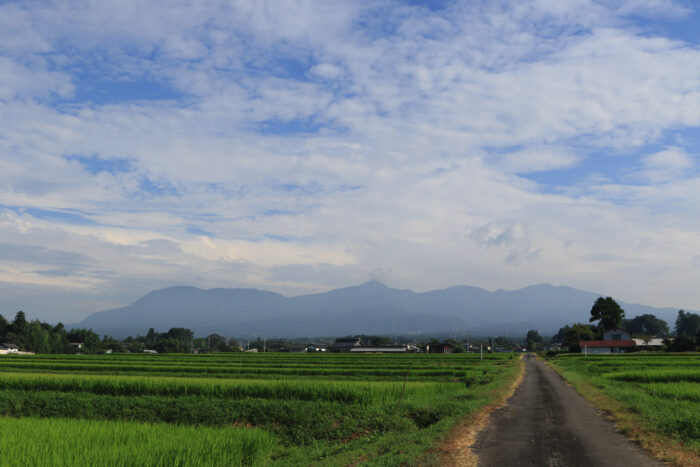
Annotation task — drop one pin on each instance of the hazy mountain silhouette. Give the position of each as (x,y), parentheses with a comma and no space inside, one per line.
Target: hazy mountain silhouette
(370,308)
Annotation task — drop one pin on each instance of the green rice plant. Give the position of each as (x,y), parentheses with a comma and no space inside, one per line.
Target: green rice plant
(453,373)
(656,376)
(330,409)
(60,442)
(347,392)
(292,421)
(677,391)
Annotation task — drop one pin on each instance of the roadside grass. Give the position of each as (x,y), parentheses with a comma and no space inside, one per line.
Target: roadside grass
(456,450)
(654,404)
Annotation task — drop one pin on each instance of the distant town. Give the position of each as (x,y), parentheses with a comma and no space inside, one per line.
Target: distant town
(612,334)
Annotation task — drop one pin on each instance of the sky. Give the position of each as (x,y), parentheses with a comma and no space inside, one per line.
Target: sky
(299,146)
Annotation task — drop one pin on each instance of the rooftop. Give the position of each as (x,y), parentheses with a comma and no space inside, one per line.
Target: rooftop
(593,344)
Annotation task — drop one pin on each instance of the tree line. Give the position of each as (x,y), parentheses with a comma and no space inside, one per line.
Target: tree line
(609,315)
(180,340)
(40,337)
(36,336)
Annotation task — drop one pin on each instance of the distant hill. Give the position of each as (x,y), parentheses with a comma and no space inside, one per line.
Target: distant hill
(370,308)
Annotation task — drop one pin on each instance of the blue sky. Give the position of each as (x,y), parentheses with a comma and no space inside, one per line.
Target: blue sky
(299,146)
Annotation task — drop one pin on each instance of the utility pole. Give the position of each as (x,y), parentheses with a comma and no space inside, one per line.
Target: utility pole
(481,350)
(469,347)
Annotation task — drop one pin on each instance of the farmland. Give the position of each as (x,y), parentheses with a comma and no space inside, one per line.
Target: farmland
(241,409)
(655,398)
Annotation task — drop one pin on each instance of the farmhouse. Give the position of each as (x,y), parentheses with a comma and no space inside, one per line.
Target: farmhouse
(295,349)
(344,344)
(439,348)
(380,349)
(652,344)
(8,348)
(614,341)
(316,348)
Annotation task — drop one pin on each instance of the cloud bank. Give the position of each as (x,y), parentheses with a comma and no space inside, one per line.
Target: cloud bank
(299,146)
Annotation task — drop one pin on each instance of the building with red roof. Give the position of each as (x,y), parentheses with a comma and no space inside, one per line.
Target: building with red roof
(614,341)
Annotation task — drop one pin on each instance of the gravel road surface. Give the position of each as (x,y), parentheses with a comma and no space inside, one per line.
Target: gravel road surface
(547,423)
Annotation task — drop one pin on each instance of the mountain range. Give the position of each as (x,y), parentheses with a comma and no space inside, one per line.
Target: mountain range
(369,308)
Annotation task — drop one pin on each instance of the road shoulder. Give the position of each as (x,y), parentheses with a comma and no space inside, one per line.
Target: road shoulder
(456,450)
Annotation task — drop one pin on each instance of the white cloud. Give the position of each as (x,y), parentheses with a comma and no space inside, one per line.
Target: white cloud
(538,159)
(354,138)
(672,159)
(19,81)
(327,70)
(665,166)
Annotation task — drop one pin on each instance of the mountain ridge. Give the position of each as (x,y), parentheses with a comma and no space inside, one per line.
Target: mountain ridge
(368,308)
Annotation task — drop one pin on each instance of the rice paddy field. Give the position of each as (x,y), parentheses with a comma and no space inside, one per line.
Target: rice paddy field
(654,396)
(240,409)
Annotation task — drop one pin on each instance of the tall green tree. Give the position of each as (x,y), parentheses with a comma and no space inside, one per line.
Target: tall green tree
(112,344)
(37,338)
(687,324)
(91,341)
(608,313)
(4,326)
(19,324)
(570,336)
(533,340)
(646,325)
(151,337)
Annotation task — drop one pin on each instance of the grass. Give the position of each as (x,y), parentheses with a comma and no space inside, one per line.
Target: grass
(317,409)
(332,368)
(655,399)
(60,442)
(336,391)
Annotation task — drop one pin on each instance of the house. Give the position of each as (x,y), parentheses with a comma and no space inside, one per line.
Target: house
(439,348)
(412,348)
(614,341)
(616,335)
(344,344)
(380,349)
(8,348)
(296,348)
(654,343)
(77,345)
(150,351)
(316,348)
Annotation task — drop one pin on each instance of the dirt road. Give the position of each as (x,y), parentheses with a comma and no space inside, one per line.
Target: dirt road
(546,423)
